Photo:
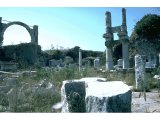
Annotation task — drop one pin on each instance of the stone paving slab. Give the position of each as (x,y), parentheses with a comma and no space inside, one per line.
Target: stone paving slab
(151,105)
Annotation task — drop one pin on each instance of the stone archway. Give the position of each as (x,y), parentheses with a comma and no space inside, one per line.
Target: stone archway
(33,32)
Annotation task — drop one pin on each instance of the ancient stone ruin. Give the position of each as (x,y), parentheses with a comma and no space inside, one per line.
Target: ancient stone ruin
(94,95)
(140,71)
(123,37)
(14,95)
(80,59)
(33,32)
(96,63)
(26,52)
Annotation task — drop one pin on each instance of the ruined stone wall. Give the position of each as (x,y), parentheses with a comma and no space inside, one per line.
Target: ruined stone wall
(25,53)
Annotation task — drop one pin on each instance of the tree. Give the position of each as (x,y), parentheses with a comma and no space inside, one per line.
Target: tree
(146,36)
(148,28)
(74,53)
(58,55)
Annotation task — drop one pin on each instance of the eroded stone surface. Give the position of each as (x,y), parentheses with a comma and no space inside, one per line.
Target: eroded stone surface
(108,97)
(139,71)
(75,92)
(100,96)
(151,105)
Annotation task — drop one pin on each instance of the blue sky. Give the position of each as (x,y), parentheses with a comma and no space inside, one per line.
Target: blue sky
(66,26)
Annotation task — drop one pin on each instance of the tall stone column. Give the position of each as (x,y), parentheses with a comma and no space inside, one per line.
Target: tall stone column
(1,37)
(140,71)
(35,28)
(109,42)
(125,54)
(159,59)
(124,38)
(109,58)
(80,59)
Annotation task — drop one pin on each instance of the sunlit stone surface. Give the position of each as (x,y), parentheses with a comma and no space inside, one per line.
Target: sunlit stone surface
(112,96)
(100,96)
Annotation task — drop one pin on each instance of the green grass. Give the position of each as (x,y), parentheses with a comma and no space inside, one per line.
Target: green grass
(43,103)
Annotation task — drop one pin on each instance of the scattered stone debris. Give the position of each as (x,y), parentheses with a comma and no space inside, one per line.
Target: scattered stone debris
(14,94)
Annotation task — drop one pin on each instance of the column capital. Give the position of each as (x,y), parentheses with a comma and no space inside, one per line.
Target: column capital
(108,36)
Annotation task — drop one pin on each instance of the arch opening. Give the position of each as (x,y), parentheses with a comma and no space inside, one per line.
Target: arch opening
(16,34)
(117,53)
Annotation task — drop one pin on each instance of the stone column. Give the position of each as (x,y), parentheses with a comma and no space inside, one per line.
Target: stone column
(34,40)
(125,54)
(155,59)
(1,37)
(159,59)
(0,19)
(80,59)
(108,22)
(124,38)
(140,71)
(124,22)
(96,63)
(109,58)
(109,41)
(124,16)
(35,29)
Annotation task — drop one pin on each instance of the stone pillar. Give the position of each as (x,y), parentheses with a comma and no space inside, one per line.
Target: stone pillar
(96,63)
(155,59)
(108,22)
(109,59)
(80,59)
(124,16)
(0,19)
(35,29)
(124,38)
(124,22)
(1,37)
(125,54)
(159,59)
(140,71)
(34,40)
(109,41)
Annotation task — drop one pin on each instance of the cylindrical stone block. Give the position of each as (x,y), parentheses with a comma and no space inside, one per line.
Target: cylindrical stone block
(109,59)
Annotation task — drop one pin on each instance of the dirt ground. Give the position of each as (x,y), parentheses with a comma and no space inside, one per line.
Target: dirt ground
(151,105)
